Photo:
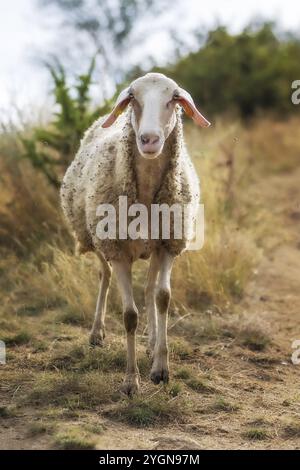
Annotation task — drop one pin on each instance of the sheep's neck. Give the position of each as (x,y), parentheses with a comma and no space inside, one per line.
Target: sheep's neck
(149,174)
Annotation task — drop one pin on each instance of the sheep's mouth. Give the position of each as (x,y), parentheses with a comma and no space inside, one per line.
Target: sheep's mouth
(150,155)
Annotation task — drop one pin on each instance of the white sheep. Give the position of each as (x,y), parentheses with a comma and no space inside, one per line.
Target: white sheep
(139,154)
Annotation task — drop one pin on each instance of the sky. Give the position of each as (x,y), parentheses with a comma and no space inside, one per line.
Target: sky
(26,34)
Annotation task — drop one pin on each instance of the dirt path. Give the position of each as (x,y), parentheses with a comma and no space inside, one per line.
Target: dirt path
(265,386)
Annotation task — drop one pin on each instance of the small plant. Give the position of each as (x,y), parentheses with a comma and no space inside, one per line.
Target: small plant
(38,428)
(200,386)
(180,349)
(19,339)
(183,373)
(145,412)
(94,428)
(140,413)
(175,389)
(221,404)
(74,439)
(256,434)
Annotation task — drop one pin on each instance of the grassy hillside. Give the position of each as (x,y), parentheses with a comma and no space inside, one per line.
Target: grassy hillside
(68,393)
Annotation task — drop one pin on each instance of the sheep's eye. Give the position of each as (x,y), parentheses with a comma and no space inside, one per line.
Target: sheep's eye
(131,95)
(176,95)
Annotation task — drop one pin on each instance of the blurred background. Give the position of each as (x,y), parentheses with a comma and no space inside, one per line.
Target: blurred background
(62,64)
(229,57)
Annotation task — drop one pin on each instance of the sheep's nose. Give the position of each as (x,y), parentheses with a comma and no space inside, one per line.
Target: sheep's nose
(149,139)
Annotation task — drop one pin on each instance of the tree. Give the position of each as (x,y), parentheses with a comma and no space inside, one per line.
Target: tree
(248,72)
(113,28)
(52,148)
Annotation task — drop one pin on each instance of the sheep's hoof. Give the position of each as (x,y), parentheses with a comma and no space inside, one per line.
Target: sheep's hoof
(131,385)
(159,375)
(97,339)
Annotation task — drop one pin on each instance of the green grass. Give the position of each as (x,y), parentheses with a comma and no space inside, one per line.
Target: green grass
(156,410)
(195,383)
(38,428)
(183,373)
(180,349)
(94,428)
(40,346)
(256,434)
(23,337)
(221,404)
(199,385)
(74,439)
(175,389)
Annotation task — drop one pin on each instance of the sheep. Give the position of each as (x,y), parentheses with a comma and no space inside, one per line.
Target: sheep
(136,151)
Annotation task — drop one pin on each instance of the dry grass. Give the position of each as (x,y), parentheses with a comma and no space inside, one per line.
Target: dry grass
(292,429)
(80,356)
(25,193)
(73,391)
(216,275)
(7,412)
(48,297)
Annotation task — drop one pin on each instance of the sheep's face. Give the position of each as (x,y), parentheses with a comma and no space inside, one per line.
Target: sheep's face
(153,99)
(153,117)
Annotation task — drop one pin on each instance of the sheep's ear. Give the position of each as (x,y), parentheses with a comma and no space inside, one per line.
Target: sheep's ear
(121,104)
(187,102)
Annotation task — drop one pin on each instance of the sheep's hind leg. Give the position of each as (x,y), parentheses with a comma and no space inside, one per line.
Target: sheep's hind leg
(122,271)
(160,367)
(97,334)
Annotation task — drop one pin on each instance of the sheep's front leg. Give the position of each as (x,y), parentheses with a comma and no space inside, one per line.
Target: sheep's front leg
(97,334)
(122,271)
(150,301)
(160,367)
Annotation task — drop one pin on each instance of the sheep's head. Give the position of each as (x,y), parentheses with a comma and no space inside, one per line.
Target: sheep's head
(153,99)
